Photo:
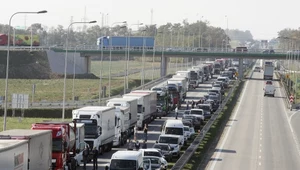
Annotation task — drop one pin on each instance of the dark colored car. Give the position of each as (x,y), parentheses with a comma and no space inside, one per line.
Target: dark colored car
(165,150)
(207,108)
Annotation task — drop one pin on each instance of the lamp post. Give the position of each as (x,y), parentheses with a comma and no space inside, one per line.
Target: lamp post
(200,31)
(74,71)
(163,45)
(128,49)
(66,59)
(227,40)
(125,59)
(143,60)
(153,56)
(7,62)
(110,50)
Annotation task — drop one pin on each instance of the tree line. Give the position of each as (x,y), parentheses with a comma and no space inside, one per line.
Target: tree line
(182,35)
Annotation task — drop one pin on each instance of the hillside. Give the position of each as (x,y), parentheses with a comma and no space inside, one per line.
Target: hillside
(25,65)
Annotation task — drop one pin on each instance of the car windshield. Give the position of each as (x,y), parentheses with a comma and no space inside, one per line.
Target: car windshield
(161,147)
(213,97)
(186,129)
(196,112)
(174,131)
(221,79)
(169,140)
(153,160)
(117,164)
(217,85)
(214,91)
(152,153)
(204,107)
(156,89)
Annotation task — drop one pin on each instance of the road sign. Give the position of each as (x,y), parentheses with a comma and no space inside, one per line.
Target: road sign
(287,76)
(20,101)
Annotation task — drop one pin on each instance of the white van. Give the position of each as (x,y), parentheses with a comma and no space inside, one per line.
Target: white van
(174,127)
(132,160)
(269,90)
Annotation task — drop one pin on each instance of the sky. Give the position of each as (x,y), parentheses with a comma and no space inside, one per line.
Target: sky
(264,18)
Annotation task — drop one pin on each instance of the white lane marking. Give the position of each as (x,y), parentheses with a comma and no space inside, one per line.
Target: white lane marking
(290,125)
(260,145)
(228,131)
(260,150)
(292,116)
(259,163)
(259,157)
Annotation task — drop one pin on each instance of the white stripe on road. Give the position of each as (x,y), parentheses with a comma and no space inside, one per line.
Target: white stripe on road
(228,131)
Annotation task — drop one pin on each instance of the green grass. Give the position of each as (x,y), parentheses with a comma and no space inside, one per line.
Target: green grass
(23,123)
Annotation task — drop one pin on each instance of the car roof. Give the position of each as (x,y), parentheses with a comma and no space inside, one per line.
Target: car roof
(126,154)
(149,150)
(169,135)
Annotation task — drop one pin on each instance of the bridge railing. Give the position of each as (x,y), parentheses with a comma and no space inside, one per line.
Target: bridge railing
(158,49)
(166,49)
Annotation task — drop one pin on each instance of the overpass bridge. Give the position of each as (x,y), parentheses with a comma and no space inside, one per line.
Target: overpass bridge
(165,53)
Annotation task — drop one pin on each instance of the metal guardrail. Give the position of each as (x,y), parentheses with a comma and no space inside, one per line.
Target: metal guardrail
(285,89)
(194,145)
(94,102)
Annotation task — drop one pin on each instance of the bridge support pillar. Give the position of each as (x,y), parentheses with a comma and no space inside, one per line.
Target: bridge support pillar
(164,66)
(241,71)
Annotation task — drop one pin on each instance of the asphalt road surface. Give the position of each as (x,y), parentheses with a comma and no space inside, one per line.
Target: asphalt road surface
(259,134)
(153,127)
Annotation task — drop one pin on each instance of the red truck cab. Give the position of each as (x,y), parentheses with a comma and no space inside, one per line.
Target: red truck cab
(63,143)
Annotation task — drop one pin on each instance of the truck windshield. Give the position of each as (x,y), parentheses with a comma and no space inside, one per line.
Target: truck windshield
(217,66)
(118,164)
(90,130)
(57,144)
(196,112)
(169,140)
(174,131)
(194,75)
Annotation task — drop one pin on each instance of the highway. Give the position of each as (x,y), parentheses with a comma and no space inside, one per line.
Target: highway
(153,127)
(259,134)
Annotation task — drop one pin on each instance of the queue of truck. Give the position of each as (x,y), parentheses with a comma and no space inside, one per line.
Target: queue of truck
(101,127)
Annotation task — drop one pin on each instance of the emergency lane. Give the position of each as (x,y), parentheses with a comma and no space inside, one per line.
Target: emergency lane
(258,135)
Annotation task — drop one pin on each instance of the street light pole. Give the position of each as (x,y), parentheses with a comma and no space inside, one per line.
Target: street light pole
(66,60)
(7,62)
(110,51)
(128,55)
(227,40)
(153,56)
(200,31)
(74,71)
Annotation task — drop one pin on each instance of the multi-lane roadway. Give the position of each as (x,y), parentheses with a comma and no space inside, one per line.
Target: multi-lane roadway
(261,134)
(153,127)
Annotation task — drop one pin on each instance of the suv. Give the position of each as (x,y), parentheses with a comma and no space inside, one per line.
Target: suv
(198,113)
(207,108)
(159,90)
